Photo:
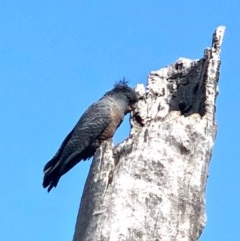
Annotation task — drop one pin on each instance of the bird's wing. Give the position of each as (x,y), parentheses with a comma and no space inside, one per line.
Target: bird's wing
(58,154)
(98,120)
(89,128)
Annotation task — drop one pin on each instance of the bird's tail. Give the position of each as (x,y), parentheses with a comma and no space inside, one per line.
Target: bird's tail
(51,174)
(62,163)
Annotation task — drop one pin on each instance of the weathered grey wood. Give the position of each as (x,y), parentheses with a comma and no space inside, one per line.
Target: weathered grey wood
(152,186)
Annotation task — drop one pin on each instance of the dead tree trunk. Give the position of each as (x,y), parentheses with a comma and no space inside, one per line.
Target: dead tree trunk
(152,186)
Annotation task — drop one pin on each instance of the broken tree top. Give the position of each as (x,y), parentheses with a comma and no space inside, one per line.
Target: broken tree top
(152,185)
(188,86)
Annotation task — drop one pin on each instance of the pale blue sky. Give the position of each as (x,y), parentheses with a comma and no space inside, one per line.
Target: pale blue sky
(57,57)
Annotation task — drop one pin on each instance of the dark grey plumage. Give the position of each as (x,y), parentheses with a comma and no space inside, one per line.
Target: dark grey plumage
(98,123)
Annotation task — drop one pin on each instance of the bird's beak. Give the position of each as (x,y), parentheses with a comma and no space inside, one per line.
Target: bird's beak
(133,106)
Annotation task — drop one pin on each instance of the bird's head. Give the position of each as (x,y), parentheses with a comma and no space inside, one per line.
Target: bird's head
(124,94)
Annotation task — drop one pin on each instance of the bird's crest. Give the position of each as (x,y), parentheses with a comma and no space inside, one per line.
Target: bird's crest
(120,86)
(121,83)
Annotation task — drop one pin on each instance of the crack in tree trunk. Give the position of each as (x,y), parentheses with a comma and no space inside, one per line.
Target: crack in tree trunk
(152,186)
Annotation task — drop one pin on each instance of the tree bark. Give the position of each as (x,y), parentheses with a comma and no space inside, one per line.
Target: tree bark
(151,187)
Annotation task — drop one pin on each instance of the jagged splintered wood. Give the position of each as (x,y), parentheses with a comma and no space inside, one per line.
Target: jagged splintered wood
(151,187)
